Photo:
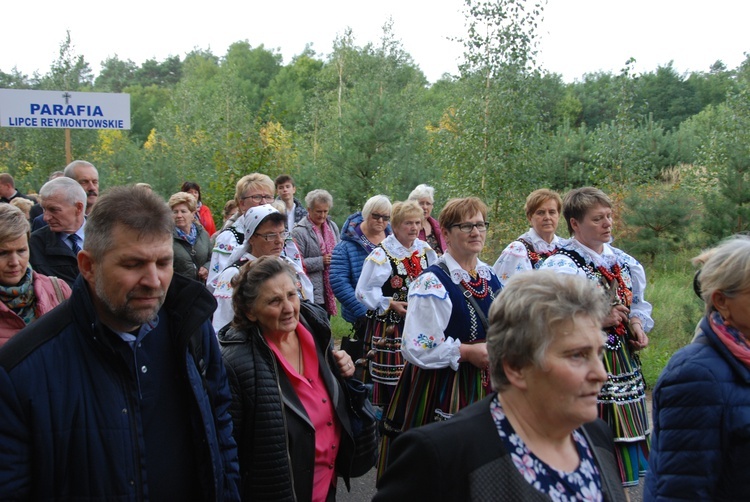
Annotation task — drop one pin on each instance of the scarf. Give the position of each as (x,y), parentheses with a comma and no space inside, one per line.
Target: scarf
(731,337)
(327,242)
(190,237)
(20,298)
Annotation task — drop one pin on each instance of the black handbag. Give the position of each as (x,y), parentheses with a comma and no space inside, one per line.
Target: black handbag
(364,427)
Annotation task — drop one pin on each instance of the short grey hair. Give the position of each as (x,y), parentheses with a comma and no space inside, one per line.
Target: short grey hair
(70,169)
(726,268)
(377,203)
(423,192)
(318,196)
(524,317)
(68,187)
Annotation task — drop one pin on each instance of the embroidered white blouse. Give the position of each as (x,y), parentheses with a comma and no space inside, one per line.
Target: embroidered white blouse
(424,341)
(610,255)
(376,270)
(515,257)
(223,292)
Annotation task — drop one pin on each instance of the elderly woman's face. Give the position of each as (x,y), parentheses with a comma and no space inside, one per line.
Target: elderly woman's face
(183,217)
(14,259)
(565,387)
(735,310)
(426,205)
(378,220)
(276,309)
(407,231)
(319,213)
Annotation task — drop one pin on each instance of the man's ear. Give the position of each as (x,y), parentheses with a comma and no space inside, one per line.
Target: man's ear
(86,265)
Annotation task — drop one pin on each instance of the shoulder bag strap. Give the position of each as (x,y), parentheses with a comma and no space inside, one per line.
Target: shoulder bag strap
(469,297)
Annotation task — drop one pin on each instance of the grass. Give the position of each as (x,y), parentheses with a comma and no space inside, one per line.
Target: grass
(677,310)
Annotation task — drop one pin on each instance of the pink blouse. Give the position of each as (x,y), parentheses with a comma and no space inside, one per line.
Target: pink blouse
(312,392)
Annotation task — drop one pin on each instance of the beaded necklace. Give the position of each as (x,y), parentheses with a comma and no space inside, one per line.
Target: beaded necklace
(624,295)
(477,286)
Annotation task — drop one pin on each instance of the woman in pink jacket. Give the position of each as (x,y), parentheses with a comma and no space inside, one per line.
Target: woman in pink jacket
(24,294)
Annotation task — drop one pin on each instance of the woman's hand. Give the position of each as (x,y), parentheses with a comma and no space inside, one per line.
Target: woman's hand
(398,307)
(640,339)
(476,354)
(326,259)
(203,274)
(345,363)
(618,314)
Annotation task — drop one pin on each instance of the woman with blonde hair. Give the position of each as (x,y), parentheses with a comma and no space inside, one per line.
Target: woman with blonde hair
(701,403)
(383,288)
(191,242)
(251,190)
(24,294)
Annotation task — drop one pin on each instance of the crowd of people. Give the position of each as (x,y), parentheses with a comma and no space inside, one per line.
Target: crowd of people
(148,353)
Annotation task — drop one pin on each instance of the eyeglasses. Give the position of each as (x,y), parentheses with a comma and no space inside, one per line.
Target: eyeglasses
(376,216)
(272,237)
(467,228)
(259,198)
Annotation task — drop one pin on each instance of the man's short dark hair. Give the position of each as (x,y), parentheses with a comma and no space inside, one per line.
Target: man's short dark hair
(283,178)
(7,179)
(129,206)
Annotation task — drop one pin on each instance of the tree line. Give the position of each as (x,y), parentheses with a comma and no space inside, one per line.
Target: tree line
(672,149)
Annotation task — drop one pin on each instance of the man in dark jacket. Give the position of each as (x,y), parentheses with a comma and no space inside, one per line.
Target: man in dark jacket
(8,190)
(120,392)
(53,248)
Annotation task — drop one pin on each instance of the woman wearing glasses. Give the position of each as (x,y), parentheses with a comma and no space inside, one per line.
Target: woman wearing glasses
(444,333)
(252,190)
(360,235)
(265,235)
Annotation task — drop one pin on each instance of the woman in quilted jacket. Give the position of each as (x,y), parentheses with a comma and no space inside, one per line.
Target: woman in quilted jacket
(701,403)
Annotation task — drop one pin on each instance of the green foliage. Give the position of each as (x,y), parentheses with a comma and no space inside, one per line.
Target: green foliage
(726,155)
(116,75)
(676,310)
(660,217)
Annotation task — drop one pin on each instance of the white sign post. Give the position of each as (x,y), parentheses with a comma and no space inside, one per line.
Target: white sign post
(61,110)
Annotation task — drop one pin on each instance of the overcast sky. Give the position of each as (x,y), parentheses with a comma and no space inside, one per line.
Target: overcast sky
(578,36)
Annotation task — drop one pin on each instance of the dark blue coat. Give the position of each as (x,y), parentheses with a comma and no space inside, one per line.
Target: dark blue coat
(68,426)
(701,412)
(346,266)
